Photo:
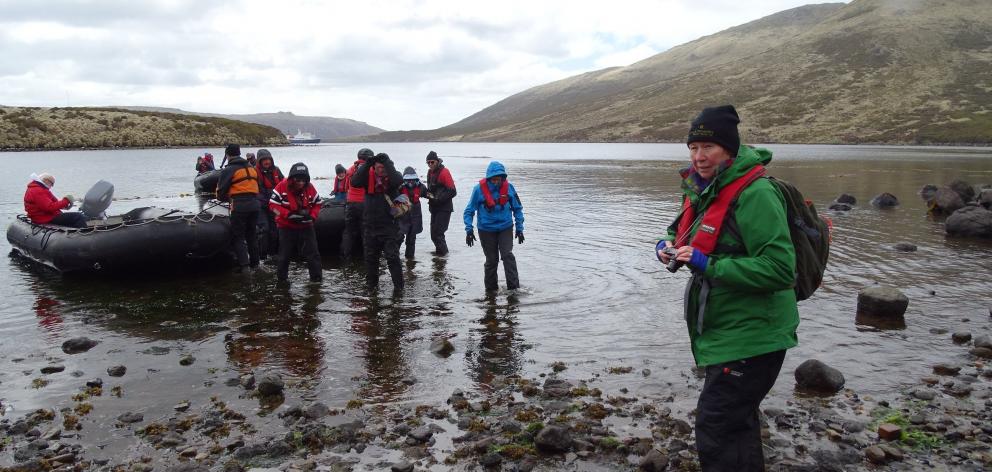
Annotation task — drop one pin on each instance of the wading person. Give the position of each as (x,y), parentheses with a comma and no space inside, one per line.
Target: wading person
(496,202)
(354,209)
(339,192)
(204,163)
(440,192)
(381,232)
(412,222)
(268,177)
(741,306)
(42,207)
(296,205)
(238,184)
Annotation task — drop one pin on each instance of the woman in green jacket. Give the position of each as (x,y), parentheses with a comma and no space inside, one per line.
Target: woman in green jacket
(740,304)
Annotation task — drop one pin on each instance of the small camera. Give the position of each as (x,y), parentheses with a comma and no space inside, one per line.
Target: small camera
(673,265)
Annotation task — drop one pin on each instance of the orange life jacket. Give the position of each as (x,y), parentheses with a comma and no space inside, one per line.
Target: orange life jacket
(244,181)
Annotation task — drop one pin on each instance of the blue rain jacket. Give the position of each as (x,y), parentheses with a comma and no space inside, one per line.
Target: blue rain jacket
(500,217)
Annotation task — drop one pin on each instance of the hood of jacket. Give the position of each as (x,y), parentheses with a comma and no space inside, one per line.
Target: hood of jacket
(495,168)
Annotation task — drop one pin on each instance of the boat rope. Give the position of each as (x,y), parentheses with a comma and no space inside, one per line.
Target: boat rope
(190,219)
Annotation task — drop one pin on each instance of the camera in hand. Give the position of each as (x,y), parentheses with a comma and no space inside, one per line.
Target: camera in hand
(673,265)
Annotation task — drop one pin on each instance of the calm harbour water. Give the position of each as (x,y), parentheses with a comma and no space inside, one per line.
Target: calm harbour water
(594,296)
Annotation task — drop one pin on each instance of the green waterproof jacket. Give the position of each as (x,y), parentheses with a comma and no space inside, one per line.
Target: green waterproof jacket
(750,305)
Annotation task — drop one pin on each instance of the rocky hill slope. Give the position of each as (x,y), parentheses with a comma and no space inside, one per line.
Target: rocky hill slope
(871,71)
(68,128)
(324,127)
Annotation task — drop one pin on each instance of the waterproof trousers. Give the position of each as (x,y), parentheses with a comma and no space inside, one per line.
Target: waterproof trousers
(377,245)
(351,240)
(496,246)
(410,239)
(72,219)
(439,225)
(728,429)
(268,234)
(298,241)
(245,241)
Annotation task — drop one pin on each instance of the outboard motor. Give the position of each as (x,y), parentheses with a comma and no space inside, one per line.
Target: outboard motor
(97,199)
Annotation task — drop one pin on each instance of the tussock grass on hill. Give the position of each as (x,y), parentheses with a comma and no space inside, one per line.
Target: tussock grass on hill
(67,128)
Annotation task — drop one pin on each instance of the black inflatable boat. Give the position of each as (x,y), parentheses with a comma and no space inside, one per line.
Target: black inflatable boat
(330,225)
(145,239)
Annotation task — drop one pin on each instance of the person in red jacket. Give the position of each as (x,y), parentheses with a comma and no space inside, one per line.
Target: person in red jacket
(296,205)
(42,207)
(351,240)
(440,192)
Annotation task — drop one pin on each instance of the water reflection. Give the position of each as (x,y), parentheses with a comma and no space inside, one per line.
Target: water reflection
(495,348)
(383,328)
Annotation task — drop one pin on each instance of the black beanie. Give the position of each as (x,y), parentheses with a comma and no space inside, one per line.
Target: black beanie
(717,125)
(232,150)
(432,156)
(339,169)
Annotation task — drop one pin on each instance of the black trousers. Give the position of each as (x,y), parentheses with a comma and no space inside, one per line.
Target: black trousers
(439,225)
(268,234)
(410,239)
(498,246)
(72,219)
(352,237)
(379,244)
(728,429)
(245,240)
(298,241)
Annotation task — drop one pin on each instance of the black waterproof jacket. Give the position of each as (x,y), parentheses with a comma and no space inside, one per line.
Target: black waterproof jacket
(376,217)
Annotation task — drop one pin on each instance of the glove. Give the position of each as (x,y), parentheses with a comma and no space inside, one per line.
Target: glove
(470,239)
(295,218)
(520,237)
(429,196)
(699,261)
(659,247)
(70,198)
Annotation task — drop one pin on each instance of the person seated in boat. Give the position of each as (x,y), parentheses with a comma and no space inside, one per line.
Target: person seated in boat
(340,191)
(42,207)
(297,205)
(250,157)
(268,177)
(204,163)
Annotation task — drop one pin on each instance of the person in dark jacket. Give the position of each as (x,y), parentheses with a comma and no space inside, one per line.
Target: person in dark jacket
(412,222)
(440,192)
(238,184)
(381,233)
(252,160)
(268,177)
(339,191)
(354,209)
(204,163)
(740,303)
(296,205)
(499,210)
(42,207)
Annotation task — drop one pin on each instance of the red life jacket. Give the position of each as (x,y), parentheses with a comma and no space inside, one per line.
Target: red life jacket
(269,180)
(371,186)
(709,228)
(504,193)
(340,185)
(414,196)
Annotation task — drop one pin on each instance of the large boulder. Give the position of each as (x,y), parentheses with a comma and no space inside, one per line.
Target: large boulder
(946,201)
(270,384)
(77,345)
(847,198)
(815,376)
(885,200)
(964,189)
(837,206)
(972,221)
(882,302)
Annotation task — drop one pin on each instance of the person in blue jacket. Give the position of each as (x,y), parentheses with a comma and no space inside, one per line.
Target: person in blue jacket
(496,202)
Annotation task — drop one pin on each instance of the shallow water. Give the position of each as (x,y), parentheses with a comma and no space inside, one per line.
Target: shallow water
(593,294)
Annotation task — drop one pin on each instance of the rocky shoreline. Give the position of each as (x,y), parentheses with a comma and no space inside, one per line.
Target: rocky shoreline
(551,422)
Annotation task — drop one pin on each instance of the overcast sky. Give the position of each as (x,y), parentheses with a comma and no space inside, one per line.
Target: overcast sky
(404,64)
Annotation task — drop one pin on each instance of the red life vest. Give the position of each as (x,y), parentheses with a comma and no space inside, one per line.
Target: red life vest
(371,186)
(709,228)
(340,185)
(414,196)
(504,193)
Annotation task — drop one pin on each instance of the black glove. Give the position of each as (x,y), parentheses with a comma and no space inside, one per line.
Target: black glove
(306,219)
(295,218)
(520,237)
(470,239)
